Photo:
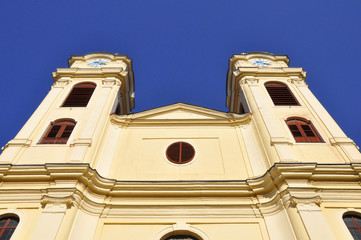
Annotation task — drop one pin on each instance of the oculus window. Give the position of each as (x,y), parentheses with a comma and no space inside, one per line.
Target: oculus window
(180,152)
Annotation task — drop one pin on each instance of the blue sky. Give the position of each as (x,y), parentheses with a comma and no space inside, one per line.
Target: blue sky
(180,49)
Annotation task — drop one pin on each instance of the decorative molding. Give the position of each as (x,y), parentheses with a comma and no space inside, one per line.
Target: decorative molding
(260,195)
(296,201)
(68,201)
(17,143)
(62,82)
(341,140)
(109,82)
(82,142)
(300,82)
(280,140)
(250,80)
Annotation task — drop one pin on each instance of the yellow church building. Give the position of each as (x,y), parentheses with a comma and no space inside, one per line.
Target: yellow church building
(276,166)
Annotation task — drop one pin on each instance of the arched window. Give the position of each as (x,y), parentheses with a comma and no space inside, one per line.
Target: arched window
(58,132)
(7,226)
(79,95)
(181,237)
(353,223)
(303,131)
(281,95)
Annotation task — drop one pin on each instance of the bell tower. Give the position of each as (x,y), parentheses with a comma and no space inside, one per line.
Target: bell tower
(73,115)
(292,123)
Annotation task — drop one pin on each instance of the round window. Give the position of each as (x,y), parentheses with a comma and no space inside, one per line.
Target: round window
(181,237)
(180,152)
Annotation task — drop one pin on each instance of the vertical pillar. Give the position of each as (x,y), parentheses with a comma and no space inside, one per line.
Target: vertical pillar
(253,151)
(278,140)
(81,145)
(312,218)
(277,222)
(51,217)
(84,226)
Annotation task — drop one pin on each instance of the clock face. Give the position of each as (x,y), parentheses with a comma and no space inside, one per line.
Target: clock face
(98,62)
(261,62)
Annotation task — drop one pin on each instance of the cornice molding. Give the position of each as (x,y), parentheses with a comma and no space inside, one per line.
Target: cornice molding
(75,73)
(295,73)
(95,194)
(150,117)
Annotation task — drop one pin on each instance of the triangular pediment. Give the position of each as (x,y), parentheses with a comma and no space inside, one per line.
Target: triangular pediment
(181,111)
(181,114)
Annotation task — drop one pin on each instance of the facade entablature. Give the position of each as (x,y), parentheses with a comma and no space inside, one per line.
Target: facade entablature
(269,73)
(181,114)
(324,182)
(78,73)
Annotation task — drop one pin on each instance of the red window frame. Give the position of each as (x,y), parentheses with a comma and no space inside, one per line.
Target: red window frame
(58,132)
(180,152)
(7,227)
(280,94)
(79,95)
(303,131)
(356,225)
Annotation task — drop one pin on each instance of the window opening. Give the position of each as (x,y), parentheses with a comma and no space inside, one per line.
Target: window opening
(180,152)
(280,94)
(80,95)
(7,227)
(58,132)
(303,131)
(181,237)
(353,224)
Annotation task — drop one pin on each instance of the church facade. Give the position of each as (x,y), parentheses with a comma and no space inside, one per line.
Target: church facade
(276,166)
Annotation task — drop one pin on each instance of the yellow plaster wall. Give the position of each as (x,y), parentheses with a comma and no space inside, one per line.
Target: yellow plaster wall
(134,231)
(141,155)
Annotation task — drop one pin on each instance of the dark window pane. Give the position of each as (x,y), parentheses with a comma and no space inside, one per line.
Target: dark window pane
(13,222)
(67,132)
(59,132)
(180,152)
(7,234)
(307,131)
(355,234)
(173,152)
(3,221)
(79,95)
(349,222)
(181,237)
(187,152)
(302,131)
(353,224)
(357,220)
(280,94)
(54,130)
(295,131)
